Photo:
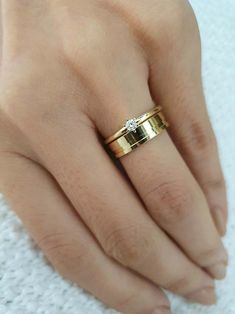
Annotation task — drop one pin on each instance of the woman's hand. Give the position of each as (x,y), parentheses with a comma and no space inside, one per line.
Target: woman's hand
(74,70)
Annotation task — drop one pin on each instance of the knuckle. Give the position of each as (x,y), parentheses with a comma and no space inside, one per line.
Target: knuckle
(16,92)
(125,303)
(172,23)
(28,108)
(200,139)
(62,250)
(53,242)
(90,43)
(10,94)
(216,183)
(173,199)
(181,14)
(128,245)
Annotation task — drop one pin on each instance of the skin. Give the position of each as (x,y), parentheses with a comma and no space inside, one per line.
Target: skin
(71,73)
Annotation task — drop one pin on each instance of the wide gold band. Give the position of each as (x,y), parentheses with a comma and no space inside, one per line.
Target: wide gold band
(146,131)
(138,121)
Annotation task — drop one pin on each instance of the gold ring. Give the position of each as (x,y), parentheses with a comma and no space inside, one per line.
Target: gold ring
(144,132)
(132,124)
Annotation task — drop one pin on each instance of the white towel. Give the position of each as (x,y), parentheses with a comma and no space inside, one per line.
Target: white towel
(28,285)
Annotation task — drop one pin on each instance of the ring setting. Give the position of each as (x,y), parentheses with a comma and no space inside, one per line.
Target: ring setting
(131,125)
(137,131)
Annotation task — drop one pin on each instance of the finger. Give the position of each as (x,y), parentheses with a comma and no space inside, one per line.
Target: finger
(159,174)
(175,201)
(110,209)
(68,244)
(176,84)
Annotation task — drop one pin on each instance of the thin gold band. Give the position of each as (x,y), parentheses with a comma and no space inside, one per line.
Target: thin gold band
(146,131)
(138,121)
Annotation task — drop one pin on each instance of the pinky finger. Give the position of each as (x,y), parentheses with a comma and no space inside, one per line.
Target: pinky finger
(68,244)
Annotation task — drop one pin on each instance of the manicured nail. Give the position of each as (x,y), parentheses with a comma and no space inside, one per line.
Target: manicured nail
(219,220)
(218,271)
(162,310)
(204,296)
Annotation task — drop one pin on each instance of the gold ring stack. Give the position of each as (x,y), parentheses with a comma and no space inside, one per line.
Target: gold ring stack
(137,131)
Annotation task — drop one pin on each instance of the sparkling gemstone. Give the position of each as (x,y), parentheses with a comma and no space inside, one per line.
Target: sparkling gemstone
(131,125)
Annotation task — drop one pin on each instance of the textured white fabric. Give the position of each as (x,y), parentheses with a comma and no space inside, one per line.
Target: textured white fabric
(28,285)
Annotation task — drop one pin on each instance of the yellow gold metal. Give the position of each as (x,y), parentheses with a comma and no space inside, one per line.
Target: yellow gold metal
(146,131)
(138,120)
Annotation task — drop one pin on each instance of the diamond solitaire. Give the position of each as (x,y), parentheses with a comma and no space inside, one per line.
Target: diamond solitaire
(131,125)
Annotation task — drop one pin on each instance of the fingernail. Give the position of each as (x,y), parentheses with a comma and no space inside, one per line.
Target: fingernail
(162,310)
(204,296)
(219,220)
(218,271)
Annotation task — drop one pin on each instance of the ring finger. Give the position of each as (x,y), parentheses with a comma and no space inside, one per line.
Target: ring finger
(160,175)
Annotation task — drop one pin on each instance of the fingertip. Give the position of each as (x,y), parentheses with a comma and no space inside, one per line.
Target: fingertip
(206,296)
(218,271)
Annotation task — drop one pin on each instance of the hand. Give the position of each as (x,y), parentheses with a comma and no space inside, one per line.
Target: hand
(71,73)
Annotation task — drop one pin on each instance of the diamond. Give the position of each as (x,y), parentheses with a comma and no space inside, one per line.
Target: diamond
(131,125)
